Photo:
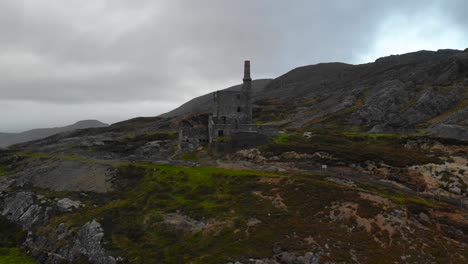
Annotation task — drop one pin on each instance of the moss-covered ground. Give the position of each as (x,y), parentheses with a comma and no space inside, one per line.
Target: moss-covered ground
(2,171)
(11,237)
(14,256)
(227,201)
(246,214)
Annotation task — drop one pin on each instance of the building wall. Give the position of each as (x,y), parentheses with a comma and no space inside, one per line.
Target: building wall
(233,137)
(229,130)
(230,107)
(192,138)
(238,141)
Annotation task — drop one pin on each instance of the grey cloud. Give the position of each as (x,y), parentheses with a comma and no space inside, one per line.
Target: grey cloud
(117,51)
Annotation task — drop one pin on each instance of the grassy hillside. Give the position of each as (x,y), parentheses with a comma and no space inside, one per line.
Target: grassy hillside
(174,214)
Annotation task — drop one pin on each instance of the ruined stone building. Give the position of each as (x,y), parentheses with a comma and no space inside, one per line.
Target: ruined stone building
(230,125)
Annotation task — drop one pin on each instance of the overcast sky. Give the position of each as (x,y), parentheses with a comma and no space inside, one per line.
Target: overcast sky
(64,60)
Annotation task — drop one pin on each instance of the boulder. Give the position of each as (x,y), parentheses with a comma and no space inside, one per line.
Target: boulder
(67,205)
(250,154)
(180,222)
(455,189)
(424,218)
(88,243)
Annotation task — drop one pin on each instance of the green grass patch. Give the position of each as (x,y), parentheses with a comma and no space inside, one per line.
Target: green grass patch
(2,171)
(282,138)
(14,256)
(193,155)
(11,237)
(223,139)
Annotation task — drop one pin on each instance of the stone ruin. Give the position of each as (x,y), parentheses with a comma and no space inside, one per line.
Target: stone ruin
(230,126)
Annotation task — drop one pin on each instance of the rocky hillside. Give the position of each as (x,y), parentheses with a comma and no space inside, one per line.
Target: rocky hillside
(421,92)
(7,139)
(126,194)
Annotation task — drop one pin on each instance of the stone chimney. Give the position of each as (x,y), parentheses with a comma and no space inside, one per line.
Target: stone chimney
(247,90)
(247,71)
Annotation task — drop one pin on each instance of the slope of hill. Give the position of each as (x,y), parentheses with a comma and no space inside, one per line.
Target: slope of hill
(8,139)
(420,92)
(125,193)
(202,104)
(405,93)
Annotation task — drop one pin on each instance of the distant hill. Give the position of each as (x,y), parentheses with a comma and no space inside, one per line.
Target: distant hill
(8,139)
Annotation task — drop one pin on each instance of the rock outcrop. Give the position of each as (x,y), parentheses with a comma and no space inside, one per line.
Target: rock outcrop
(88,242)
(62,246)
(22,208)
(31,212)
